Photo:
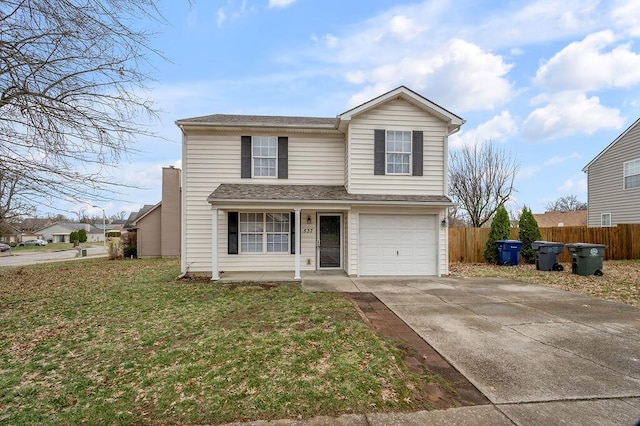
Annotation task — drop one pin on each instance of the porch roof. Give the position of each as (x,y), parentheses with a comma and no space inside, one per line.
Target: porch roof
(292,194)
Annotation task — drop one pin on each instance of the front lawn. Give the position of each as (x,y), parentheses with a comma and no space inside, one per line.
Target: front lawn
(112,342)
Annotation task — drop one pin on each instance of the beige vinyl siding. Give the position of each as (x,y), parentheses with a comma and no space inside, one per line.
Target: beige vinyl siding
(212,160)
(353,233)
(606,193)
(396,115)
(149,232)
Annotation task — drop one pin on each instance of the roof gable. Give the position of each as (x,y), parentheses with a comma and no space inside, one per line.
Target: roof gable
(616,140)
(413,98)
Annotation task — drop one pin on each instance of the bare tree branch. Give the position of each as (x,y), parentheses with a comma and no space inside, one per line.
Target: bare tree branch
(72,78)
(568,203)
(481,180)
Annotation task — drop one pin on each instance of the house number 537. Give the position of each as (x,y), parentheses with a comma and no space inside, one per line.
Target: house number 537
(307,231)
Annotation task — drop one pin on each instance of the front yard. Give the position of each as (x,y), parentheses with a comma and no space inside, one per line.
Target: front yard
(620,282)
(111,342)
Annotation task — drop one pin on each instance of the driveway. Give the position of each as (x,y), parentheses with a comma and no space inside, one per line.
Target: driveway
(33,257)
(540,355)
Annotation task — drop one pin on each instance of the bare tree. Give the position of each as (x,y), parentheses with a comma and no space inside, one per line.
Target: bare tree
(481,180)
(568,203)
(72,75)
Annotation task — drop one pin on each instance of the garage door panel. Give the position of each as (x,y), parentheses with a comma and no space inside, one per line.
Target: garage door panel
(398,244)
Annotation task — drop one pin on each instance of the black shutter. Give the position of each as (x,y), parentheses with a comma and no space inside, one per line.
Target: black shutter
(245,157)
(283,157)
(417,152)
(232,233)
(379,152)
(292,224)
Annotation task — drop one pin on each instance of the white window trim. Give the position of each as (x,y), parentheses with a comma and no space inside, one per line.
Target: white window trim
(386,153)
(625,176)
(264,234)
(253,175)
(602,220)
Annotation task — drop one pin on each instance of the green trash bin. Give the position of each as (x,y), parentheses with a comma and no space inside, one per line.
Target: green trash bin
(586,258)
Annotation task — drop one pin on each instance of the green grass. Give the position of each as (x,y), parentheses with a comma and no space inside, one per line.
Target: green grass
(121,342)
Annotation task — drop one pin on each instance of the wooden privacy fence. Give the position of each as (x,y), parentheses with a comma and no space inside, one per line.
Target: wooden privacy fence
(623,241)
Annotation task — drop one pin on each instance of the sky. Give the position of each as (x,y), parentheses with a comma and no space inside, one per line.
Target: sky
(551,82)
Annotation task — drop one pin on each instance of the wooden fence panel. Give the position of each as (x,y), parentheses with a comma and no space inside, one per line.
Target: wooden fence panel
(623,241)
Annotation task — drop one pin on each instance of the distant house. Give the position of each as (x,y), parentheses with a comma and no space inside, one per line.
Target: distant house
(9,233)
(158,226)
(60,232)
(613,181)
(559,219)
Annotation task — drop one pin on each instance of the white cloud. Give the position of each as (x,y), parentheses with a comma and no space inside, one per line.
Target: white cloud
(528,171)
(627,17)
(221,16)
(573,185)
(593,63)
(280,3)
(570,113)
(559,160)
(330,40)
(404,28)
(497,129)
(460,75)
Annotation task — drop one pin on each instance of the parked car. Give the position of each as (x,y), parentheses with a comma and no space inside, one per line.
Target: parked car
(33,243)
(4,247)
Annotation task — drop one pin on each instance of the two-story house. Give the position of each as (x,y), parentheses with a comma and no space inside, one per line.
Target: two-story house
(363,192)
(613,181)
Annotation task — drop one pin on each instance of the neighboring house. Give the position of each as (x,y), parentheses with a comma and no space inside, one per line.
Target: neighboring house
(158,227)
(559,219)
(60,232)
(613,181)
(363,192)
(9,233)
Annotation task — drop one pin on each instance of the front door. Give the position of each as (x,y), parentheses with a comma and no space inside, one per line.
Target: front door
(329,241)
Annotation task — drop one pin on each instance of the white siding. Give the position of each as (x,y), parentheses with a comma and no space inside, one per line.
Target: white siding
(606,193)
(212,160)
(396,115)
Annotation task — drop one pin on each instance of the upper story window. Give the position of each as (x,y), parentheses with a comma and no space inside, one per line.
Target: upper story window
(398,152)
(264,155)
(632,174)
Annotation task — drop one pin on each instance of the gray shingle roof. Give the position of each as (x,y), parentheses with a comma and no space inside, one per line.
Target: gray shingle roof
(261,121)
(292,193)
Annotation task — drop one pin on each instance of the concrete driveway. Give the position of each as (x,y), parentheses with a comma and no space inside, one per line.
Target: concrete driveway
(540,355)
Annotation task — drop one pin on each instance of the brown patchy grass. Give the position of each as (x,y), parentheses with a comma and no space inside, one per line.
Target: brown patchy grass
(122,342)
(620,282)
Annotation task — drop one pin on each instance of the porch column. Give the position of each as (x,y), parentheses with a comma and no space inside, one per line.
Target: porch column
(296,275)
(214,245)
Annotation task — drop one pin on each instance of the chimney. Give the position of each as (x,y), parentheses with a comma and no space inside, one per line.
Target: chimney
(170,213)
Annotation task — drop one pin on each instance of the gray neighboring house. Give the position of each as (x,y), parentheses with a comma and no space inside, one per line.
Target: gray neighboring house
(613,181)
(60,232)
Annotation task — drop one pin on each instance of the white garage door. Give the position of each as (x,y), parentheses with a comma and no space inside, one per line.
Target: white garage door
(397,244)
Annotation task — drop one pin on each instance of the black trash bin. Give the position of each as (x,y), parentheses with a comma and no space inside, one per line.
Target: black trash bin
(586,258)
(508,252)
(547,255)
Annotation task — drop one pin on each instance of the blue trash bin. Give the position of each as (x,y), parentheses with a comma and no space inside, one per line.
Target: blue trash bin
(508,252)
